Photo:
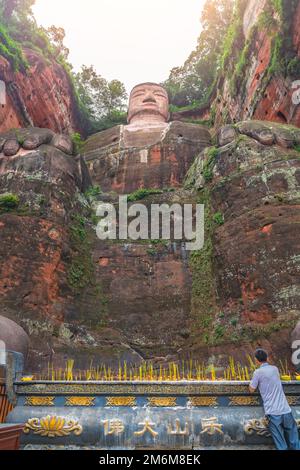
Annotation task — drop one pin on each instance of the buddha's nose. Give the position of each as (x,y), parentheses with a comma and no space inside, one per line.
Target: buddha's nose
(149,98)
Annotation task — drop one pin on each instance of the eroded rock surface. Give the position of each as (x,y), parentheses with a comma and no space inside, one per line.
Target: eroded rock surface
(42,96)
(79,297)
(252,188)
(254,83)
(126,158)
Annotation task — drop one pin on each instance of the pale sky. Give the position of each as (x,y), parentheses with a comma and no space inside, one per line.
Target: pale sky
(130,40)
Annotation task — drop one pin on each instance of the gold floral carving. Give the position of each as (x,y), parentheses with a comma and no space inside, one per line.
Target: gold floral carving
(120,401)
(162,401)
(80,401)
(39,401)
(258,426)
(53,426)
(244,401)
(204,401)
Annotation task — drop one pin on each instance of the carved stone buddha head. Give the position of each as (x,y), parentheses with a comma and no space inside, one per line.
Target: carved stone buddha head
(148,102)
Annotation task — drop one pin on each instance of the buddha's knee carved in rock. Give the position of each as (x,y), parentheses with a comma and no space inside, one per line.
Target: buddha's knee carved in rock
(149,151)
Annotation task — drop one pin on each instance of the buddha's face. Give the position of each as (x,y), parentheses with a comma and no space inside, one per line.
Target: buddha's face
(148,102)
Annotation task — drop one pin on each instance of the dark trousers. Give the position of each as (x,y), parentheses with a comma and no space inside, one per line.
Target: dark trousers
(284,432)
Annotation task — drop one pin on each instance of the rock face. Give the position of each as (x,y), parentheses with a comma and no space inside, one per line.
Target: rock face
(260,76)
(80,297)
(148,288)
(254,83)
(126,158)
(253,195)
(39,194)
(42,96)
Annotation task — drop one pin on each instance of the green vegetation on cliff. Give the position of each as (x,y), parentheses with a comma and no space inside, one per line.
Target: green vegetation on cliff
(82,276)
(194,81)
(8,202)
(11,50)
(99,103)
(203,283)
(227,55)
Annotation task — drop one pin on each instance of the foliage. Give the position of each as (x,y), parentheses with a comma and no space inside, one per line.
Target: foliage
(232,37)
(105,100)
(278,6)
(193,81)
(17,19)
(56,37)
(16,9)
(293,67)
(9,201)
(209,164)
(267,21)
(284,57)
(297,147)
(100,103)
(203,287)
(142,193)
(93,192)
(78,142)
(218,218)
(276,64)
(11,50)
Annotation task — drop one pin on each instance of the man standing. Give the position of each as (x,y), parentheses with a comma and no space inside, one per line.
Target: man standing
(282,424)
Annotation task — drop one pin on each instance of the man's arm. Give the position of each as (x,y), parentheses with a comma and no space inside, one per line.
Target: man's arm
(254,383)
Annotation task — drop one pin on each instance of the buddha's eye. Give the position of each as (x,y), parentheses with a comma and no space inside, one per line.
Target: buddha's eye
(137,95)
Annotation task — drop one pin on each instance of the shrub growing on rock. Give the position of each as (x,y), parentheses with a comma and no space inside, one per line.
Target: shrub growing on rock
(9,201)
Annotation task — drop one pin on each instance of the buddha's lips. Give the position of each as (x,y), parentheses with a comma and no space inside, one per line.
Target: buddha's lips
(149,101)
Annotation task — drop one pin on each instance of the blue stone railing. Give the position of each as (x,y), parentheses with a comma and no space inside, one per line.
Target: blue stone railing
(147,415)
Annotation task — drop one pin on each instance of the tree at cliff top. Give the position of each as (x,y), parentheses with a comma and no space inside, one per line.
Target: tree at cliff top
(21,9)
(192,82)
(105,100)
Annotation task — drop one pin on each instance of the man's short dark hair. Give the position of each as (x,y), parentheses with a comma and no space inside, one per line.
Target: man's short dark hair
(261,355)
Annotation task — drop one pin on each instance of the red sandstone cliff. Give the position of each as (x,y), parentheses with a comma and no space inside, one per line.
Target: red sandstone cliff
(256,81)
(262,87)
(42,96)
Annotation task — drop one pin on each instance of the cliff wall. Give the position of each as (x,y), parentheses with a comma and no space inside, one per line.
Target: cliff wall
(40,96)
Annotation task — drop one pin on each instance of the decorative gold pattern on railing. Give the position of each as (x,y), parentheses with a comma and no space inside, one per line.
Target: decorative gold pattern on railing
(120,401)
(53,426)
(39,401)
(131,389)
(244,401)
(80,401)
(203,401)
(258,426)
(162,401)
(293,400)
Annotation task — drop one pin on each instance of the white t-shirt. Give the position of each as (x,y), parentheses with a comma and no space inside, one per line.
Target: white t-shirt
(267,379)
